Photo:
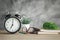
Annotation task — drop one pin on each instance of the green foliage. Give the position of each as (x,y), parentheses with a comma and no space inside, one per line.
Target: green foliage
(50,26)
(26,21)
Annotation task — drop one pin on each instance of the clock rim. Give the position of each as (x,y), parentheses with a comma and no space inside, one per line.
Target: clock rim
(16,30)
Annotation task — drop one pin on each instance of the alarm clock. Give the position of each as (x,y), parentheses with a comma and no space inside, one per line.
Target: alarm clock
(12,25)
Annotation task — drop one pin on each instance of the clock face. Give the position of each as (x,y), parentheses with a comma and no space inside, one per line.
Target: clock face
(12,24)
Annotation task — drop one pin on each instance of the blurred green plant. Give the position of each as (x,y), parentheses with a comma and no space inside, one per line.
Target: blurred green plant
(50,26)
(25,20)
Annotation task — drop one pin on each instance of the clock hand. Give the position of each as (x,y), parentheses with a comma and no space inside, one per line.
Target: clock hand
(12,24)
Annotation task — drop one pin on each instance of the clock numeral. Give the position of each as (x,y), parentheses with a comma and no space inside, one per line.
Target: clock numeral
(7,22)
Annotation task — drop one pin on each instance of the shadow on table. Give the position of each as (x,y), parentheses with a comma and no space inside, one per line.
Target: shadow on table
(3,32)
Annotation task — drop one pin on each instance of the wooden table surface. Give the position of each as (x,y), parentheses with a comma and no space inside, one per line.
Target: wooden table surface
(18,36)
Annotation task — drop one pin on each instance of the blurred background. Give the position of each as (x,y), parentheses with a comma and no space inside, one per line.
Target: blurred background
(39,11)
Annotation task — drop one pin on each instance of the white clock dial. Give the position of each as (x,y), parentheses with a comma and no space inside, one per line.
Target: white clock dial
(12,24)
